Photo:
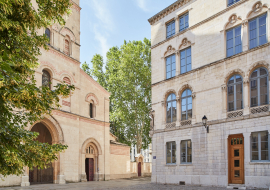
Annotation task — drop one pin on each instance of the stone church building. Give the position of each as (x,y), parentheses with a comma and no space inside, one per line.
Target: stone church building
(82,123)
(210,93)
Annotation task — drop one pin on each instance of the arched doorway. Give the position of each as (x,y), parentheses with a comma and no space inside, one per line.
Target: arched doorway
(139,169)
(90,162)
(36,175)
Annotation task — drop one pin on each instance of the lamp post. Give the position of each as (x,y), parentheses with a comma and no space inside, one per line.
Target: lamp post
(204,121)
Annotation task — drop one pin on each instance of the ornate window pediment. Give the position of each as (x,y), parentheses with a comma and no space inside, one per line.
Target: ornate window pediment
(257,9)
(170,50)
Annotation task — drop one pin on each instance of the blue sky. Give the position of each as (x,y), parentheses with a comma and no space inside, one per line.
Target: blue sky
(107,23)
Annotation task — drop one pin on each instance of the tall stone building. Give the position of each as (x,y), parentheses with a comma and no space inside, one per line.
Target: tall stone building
(211,58)
(82,122)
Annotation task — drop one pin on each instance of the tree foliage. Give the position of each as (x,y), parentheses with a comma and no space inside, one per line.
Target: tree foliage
(128,78)
(21,101)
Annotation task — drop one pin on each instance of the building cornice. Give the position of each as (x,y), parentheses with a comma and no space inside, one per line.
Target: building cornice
(212,64)
(213,122)
(74,116)
(200,23)
(167,11)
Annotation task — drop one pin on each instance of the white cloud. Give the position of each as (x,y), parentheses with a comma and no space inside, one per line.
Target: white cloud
(102,25)
(142,5)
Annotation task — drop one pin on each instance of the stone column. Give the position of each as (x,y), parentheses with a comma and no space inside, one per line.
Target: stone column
(25,177)
(163,112)
(193,108)
(178,110)
(61,177)
(224,100)
(176,25)
(246,96)
(83,174)
(177,62)
(244,33)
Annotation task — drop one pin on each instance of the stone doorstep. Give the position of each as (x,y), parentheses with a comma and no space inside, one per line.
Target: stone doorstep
(236,186)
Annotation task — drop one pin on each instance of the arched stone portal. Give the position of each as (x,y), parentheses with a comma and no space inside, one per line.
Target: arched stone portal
(90,160)
(36,175)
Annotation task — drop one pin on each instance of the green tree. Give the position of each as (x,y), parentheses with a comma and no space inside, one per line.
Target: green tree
(128,78)
(21,101)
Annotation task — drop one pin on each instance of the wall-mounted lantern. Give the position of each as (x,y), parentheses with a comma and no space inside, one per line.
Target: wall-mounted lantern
(204,121)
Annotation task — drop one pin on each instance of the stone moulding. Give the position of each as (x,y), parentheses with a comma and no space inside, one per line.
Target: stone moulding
(263,113)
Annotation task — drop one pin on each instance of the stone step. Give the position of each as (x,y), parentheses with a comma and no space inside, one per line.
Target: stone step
(236,186)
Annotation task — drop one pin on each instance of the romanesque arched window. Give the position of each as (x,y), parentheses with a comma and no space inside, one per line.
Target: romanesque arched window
(235,93)
(46,79)
(258,87)
(48,34)
(67,45)
(91,107)
(186,103)
(171,108)
(90,150)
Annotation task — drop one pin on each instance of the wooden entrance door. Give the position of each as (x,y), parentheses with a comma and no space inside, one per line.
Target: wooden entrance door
(139,169)
(236,159)
(40,176)
(89,169)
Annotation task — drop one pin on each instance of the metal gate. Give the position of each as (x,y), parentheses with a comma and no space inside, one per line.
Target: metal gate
(41,176)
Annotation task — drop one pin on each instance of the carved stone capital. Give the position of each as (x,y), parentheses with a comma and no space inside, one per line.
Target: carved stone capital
(223,87)
(162,103)
(193,95)
(246,81)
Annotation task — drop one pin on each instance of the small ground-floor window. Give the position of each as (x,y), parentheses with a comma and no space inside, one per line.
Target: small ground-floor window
(171,153)
(260,146)
(186,152)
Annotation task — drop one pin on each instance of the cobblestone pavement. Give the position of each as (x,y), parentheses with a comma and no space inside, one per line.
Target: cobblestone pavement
(123,184)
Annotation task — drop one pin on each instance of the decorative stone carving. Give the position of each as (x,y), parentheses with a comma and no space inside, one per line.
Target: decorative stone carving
(170,50)
(170,125)
(223,87)
(233,20)
(235,114)
(185,123)
(233,72)
(152,116)
(184,43)
(193,95)
(259,109)
(257,8)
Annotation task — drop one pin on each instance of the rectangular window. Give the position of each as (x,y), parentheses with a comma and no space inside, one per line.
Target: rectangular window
(257,31)
(260,146)
(185,56)
(170,66)
(234,41)
(183,20)
(171,153)
(231,2)
(186,152)
(170,29)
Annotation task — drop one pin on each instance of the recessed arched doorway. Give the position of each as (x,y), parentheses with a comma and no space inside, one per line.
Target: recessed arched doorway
(90,160)
(139,169)
(36,175)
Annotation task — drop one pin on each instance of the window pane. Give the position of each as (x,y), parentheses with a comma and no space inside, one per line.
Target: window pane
(264,136)
(183,151)
(263,71)
(236,153)
(186,21)
(262,30)
(264,146)
(231,80)
(169,120)
(169,153)
(236,173)
(254,146)
(255,156)
(189,114)
(236,163)
(174,111)
(264,155)
(254,137)
(173,152)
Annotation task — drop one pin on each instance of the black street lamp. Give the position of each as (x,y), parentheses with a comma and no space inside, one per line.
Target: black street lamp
(204,121)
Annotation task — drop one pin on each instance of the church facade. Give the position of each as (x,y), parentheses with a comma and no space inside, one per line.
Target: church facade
(82,122)
(210,93)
